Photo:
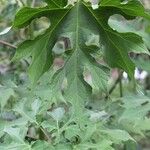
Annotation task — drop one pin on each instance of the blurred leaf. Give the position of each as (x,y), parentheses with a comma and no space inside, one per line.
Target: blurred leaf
(136,26)
(41,145)
(136,107)
(17,134)
(25,112)
(142,64)
(5,94)
(15,146)
(72,131)
(117,135)
(6,30)
(57,114)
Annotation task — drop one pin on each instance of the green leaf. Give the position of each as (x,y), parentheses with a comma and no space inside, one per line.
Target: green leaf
(6,125)
(133,26)
(78,23)
(22,18)
(57,114)
(41,145)
(5,94)
(72,131)
(99,76)
(136,107)
(17,134)
(63,147)
(117,135)
(25,111)
(15,146)
(142,64)
(131,145)
(50,126)
(40,48)
(104,145)
(132,7)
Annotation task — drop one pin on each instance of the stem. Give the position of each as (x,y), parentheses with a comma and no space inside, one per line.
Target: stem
(21,1)
(7,44)
(58,131)
(114,85)
(33,3)
(31,26)
(120,86)
(45,133)
(134,86)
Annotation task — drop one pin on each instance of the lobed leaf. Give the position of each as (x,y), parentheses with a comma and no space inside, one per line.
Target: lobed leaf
(78,23)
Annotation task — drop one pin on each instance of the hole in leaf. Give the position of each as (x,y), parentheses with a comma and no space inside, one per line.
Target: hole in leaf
(40,25)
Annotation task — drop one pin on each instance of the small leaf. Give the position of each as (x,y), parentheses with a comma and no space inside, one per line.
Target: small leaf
(72,131)
(57,114)
(24,111)
(117,135)
(35,106)
(17,134)
(5,95)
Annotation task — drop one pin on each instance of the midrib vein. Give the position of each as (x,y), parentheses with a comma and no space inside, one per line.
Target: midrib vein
(77,26)
(77,46)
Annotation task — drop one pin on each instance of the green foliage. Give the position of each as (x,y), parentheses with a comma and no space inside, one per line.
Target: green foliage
(69,23)
(55,113)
